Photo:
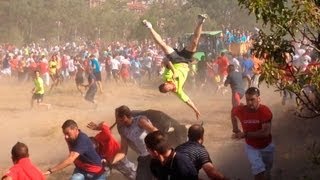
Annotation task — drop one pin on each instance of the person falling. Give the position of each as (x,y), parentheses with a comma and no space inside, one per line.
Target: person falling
(176,63)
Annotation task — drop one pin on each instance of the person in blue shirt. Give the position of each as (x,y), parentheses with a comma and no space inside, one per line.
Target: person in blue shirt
(96,67)
(82,153)
(247,66)
(135,69)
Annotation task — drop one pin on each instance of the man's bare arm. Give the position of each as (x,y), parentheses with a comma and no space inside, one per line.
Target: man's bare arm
(265,131)
(212,172)
(123,151)
(146,124)
(70,159)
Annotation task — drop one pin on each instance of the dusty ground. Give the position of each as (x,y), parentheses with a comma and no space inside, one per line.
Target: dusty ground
(40,129)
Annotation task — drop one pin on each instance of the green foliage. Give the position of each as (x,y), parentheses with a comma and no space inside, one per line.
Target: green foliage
(297,21)
(25,21)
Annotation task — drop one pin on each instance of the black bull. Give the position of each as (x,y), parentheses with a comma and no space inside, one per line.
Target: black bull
(163,122)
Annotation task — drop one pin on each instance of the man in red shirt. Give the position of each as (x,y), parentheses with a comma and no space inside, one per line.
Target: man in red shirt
(255,120)
(23,168)
(107,147)
(223,64)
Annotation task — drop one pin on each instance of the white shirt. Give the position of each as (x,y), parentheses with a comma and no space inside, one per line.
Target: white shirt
(115,64)
(236,63)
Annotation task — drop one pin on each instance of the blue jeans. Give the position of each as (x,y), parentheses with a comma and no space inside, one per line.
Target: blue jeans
(79,174)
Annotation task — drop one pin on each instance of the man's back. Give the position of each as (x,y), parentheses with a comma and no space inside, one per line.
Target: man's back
(236,82)
(177,167)
(196,152)
(24,170)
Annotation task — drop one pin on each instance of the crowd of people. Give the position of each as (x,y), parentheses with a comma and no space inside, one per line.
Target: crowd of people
(94,157)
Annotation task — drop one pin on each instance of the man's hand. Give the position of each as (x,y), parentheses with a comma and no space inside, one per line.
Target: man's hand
(238,135)
(46,173)
(93,126)
(197,114)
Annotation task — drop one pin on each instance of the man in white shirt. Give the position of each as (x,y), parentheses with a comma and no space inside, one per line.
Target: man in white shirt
(115,66)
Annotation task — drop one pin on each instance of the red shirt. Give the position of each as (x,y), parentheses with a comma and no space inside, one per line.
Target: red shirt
(223,64)
(108,145)
(43,67)
(252,121)
(25,170)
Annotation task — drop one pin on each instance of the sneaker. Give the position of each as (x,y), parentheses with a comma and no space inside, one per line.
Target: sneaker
(202,17)
(147,23)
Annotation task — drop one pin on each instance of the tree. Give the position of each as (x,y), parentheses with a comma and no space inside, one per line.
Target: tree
(295,21)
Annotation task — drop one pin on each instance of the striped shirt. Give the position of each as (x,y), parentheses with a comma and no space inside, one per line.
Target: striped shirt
(196,152)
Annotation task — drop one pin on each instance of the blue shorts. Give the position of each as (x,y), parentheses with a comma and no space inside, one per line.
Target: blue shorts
(260,159)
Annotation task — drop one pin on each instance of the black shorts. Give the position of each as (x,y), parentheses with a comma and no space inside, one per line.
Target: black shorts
(91,93)
(38,97)
(183,56)
(97,75)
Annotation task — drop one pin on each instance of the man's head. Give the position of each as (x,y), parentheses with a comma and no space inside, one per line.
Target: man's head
(253,98)
(165,87)
(156,143)
(19,151)
(195,133)
(70,130)
(123,115)
(36,74)
(231,68)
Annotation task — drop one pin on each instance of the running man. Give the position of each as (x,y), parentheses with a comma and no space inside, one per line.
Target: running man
(53,71)
(91,86)
(255,119)
(38,91)
(176,71)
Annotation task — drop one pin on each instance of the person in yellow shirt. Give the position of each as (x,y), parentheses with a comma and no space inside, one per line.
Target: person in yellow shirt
(38,91)
(53,66)
(176,64)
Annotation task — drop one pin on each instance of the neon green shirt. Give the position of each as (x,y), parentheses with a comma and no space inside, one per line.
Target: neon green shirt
(39,86)
(182,71)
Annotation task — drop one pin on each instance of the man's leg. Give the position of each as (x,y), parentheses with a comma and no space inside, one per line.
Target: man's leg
(192,46)
(77,175)
(158,39)
(127,168)
(267,157)
(257,165)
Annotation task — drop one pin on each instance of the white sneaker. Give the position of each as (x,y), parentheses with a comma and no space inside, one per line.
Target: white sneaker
(202,17)
(147,23)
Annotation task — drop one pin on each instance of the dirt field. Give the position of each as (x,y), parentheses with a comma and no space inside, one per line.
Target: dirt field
(41,129)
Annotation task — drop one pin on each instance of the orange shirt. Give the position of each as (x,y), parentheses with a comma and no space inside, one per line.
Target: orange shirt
(257,63)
